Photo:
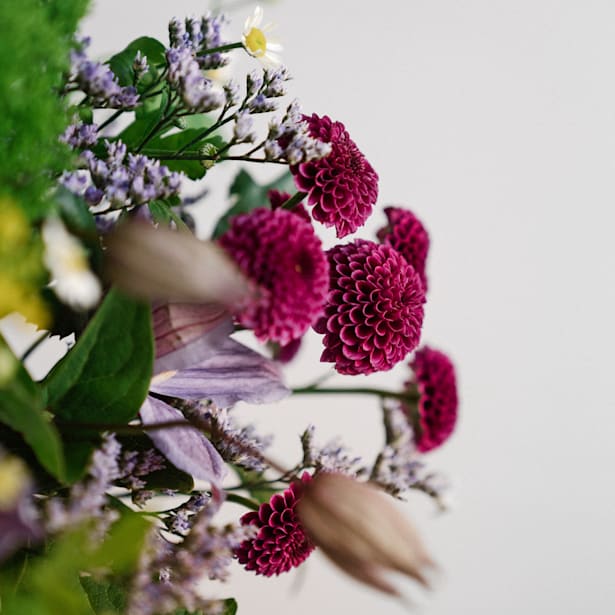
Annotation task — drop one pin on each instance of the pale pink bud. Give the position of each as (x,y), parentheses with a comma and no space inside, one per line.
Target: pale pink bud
(162,264)
(361,531)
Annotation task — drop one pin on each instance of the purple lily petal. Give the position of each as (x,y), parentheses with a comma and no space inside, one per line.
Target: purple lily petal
(188,333)
(233,373)
(185,447)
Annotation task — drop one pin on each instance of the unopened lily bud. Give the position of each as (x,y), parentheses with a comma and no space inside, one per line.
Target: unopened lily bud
(361,531)
(162,264)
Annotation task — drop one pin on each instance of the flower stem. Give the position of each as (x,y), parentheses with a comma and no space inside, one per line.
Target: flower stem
(294,200)
(221,49)
(240,499)
(403,396)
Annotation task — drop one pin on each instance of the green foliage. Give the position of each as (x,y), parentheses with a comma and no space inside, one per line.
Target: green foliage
(105,377)
(22,409)
(249,195)
(256,485)
(122,63)
(105,598)
(34,49)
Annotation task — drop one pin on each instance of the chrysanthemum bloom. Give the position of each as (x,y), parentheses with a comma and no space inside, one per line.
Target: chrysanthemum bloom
(374,311)
(280,253)
(437,404)
(342,186)
(408,236)
(281,542)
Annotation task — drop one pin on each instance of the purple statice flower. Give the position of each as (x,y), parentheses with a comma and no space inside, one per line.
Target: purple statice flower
(99,83)
(200,36)
(406,234)
(242,129)
(169,573)
(275,82)
(185,76)
(374,311)
(435,380)
(134,465)
(122,179)
(261,104)
(333,457)
(342,186)
(88,497)
(80,136)
(242,446)
(140,65)
(289,139)
(281,542)
(282,255)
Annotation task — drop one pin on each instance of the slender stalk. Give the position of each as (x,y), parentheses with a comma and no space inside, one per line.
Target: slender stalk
(221,49)
(110,119)
(294,200)
(404,396)
(34,345)
(240,499)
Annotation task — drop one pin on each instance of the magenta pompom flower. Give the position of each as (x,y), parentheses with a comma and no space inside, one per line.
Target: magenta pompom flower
(437,404)
(342,186)
(280,252)
(408,236)
(281,542)
(374,312)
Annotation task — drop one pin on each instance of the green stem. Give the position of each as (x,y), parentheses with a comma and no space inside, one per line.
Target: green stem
(123,429)
(221,49)
(162,155)
(110,119)
(220,122)
(404,396)
(34,345)
(294,200)
(240,499)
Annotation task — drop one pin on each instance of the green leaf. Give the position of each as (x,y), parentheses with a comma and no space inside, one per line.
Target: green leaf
(121,63)
(105,377)
(22,409)
(249,195)
(230,608)
(260,492)
(106,598)
(171,144)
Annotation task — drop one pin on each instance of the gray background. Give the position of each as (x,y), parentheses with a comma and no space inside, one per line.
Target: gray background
(495,122)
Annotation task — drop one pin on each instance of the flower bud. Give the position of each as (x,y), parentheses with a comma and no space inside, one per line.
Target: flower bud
(361,531)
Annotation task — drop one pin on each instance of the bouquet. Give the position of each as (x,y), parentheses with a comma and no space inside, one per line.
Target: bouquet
(115,465)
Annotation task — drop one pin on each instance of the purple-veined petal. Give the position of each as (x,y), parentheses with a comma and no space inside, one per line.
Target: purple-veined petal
(187,333)
(185,447)
(234,373)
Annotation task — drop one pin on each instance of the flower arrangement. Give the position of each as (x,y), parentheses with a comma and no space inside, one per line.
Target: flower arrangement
(102,247)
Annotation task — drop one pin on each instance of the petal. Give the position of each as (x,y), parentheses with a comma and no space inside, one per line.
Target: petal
(233,373)
(185,447)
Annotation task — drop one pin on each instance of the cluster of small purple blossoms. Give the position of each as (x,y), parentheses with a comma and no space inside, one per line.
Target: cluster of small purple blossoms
(289,139)
(98,81)
(342,186)
(186,77)
(282,255)
(80,136)
(262,90)
(332,457)
(242,446)
(135,465)
(140,65)
(88,497)
(374,311)
(122,179)
(281,542)
(200,35)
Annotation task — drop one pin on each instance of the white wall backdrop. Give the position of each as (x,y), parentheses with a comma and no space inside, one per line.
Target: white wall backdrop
(495,121)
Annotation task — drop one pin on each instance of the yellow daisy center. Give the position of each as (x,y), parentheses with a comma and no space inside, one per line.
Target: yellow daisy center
(256,42)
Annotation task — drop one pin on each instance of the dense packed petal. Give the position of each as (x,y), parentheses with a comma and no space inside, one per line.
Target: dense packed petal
(342,186)
(406,234)
(437,407)
(281,253)
(281,542)
(374,312)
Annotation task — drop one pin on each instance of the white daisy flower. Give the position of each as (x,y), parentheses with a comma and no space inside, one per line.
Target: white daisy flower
(257,43)
(66,260)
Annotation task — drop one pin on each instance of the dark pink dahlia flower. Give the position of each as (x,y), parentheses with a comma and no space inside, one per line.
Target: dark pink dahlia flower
(280,252)
(435,380)
(406,234)
(281,542)
(374,311)
(342,186)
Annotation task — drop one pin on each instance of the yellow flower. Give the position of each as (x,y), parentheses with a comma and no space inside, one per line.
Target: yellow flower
(361,531)
(16,296)
(14,227)
(256,41)
(13,481)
